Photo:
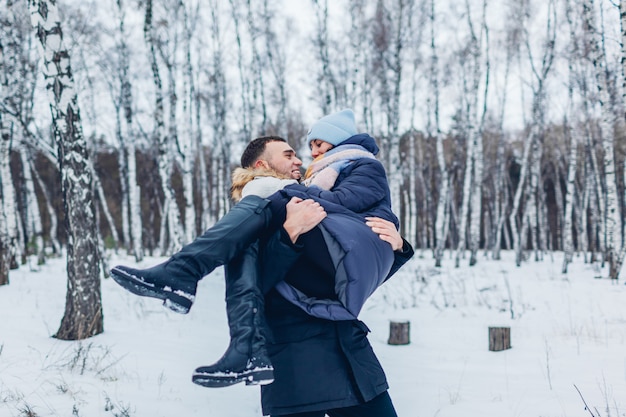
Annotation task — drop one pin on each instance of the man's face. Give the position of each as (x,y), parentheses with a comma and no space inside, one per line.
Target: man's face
(282,158)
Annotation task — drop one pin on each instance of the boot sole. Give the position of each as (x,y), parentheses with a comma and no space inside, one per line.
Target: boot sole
(262,376)
(171,298)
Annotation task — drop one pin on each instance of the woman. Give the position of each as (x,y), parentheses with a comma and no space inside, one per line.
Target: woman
(348,181)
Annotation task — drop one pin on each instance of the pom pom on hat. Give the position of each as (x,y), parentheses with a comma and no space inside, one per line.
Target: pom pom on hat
(333,128)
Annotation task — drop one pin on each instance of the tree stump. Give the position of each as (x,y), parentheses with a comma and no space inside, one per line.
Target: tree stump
(399,332)
(499,338)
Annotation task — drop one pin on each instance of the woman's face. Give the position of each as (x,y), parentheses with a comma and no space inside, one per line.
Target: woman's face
(319,147)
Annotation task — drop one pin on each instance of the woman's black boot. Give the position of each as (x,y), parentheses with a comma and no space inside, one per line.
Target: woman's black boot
(175,281)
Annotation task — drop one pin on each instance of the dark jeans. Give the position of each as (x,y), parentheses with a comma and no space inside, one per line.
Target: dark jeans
(380,406)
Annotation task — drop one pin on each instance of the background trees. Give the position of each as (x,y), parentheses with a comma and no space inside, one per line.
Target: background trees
(501,124)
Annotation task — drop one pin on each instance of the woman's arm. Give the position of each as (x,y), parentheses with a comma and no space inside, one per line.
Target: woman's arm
(363,188)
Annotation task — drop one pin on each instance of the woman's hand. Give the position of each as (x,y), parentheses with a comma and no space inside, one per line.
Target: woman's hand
(387,231)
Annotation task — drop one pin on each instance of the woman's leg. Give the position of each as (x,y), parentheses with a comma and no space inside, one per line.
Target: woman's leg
(246,358)
(175,281)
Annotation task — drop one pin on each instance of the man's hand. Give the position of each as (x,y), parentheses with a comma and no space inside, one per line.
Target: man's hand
(302,216)
(386,230)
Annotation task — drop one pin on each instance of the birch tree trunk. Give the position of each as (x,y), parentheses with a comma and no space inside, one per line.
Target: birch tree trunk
(531,164)
(218,111)
(467,186)
(327,84)
(622,12)
(105,208)
(476,129)
(5,140)
(412,212)
(356,64)
(607,123)
(7,212)
(575,138)
(34,229)
(128,166)
(179,135)
(434,131)
(597,203)
(390,32)
(276,63)
(257,67)
(192,146)
(83,308)
(472,188)
(568,244)
(13,98)
(500,182)
(54,241)
(203,179)
(357,91)
(247,104)
(533,209)
(163,143)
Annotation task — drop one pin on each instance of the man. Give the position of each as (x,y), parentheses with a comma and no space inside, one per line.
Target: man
(320,366)
(339,348)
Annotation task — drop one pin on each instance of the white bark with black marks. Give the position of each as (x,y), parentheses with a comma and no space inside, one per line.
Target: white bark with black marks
(83,308)
(434,131)
(171,225)
(595,41)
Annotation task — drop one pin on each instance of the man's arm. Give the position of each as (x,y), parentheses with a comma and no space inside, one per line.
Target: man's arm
(302,216)
(402,249)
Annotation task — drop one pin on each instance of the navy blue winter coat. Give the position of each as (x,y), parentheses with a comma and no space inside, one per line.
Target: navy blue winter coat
(361,259)
(319,364)
(361,187)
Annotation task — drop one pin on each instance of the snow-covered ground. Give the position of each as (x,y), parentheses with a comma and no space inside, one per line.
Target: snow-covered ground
(568,333)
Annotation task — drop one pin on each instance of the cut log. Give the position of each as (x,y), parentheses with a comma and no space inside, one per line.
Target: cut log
(499,338)
(399,332)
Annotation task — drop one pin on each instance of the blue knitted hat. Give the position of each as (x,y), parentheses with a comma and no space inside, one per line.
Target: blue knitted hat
(333,128)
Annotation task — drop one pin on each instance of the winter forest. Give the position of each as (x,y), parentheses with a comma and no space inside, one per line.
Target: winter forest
(501,123)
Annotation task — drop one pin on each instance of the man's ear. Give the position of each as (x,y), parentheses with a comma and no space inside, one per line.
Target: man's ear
(261,164)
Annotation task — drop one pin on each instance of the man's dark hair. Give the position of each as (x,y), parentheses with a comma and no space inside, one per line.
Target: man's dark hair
(256,148)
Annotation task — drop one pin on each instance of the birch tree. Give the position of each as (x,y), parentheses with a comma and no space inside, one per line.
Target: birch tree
(7,215)
(622,13)
(163,142)
(360,77)
(125,132)
(434,131)
(501,179)
(191,144)
(83,308)
(5,139)
(595,42)
(276,61)
(32,223)
(327,84)
(10,57)
(574,130)
(524,213)
(247,103)
(218,104)
(474,115)
(174,46)
(390,32)
(481,73)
